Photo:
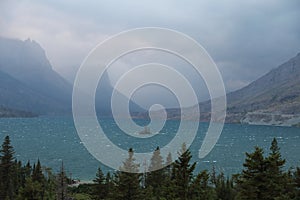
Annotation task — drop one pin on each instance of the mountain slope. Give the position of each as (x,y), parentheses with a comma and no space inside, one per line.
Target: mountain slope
(15,94)
(277,91)
(273,99)
(28,82)
(26,62)
(103,98)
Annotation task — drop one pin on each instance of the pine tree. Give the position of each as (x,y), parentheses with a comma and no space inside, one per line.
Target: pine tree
(224,187)
(183,173)
(109,185)
(61,191)
(50,184)
(276,178)
(156,176)
(100,191)
(37,173)
(168,165)
(297,182)
(263,178)
(18,175)
(31,190)
(28,169)
(252,183)
(128,179)
(200,189)
(7,166)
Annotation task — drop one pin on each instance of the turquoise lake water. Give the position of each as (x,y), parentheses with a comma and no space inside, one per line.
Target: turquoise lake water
(54,139)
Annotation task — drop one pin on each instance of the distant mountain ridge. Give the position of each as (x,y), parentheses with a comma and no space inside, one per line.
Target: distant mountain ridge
(278,90)
(273,99)
(28,82)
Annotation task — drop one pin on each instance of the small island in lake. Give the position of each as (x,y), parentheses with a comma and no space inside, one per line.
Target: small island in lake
(145,131)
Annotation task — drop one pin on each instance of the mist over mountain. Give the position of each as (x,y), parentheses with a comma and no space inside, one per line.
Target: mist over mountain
(273,99)
(28,82)
(15,94)
(277,91)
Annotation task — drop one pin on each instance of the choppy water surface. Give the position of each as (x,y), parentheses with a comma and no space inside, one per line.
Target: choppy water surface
(54,139)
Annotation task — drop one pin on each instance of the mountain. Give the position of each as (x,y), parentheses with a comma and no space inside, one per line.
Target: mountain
(273,99)
(15,94)
(103,98)
(28,82)
(33,84)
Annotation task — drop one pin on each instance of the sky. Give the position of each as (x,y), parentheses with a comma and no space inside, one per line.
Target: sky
(246,39)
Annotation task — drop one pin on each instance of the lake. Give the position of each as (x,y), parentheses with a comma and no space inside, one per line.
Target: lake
(54,139)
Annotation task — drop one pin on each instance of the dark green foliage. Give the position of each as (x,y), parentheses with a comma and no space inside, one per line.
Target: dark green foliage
(224,188)
(253,180)
(297,183)
(61,182)
(183,173)
(37,174)
(31,190)
(100,188)
(157,176)
(22,182)
(128,179)
(200,188)
(263,178)
(7,168)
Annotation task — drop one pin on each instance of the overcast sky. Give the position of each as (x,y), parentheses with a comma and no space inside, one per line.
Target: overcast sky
(245,38)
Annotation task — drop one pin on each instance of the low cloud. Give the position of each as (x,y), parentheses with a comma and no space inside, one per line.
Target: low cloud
(245,38)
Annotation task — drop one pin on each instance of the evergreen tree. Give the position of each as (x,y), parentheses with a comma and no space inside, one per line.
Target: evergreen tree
(31,190)
(18,176)
(252,183)
(27,169)
(38,177)
(168,165)
(109,185)
(297,183)
(224,188)
(37,173)
(7,166)
(200,189)
(61,190)
(263,177)
(100,191)
(128,179)
(156,176)
(275,175)
(183,173)
(50,184)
